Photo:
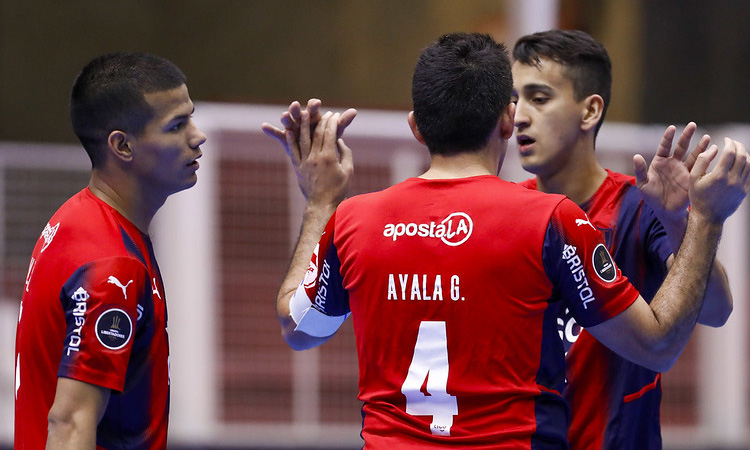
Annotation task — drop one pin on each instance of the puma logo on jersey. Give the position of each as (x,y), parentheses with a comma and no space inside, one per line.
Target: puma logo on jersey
(116,282)
(154,289)
(580,222)
(48,234)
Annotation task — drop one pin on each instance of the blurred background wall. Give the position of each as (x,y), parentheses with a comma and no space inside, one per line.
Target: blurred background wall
(235,382)
(674,60)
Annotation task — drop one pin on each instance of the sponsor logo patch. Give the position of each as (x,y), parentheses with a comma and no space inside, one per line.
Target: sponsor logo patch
(603,264)
(113,329)
(311,275)
(454,230)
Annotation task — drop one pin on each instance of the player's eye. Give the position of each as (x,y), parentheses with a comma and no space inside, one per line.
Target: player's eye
(177,126)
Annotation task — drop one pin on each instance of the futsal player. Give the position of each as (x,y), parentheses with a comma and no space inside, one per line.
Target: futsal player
(562,82)
(92,354)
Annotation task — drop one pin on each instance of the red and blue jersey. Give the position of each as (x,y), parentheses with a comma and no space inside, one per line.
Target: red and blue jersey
(455,287)
(93,310)
(615,403)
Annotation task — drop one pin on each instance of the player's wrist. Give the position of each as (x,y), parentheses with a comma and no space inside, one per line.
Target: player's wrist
(704,224)
(705,217)
(320,208)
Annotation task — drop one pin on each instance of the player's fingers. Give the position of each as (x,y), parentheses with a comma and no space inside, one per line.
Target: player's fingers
(345,119)
(701,147)
(702,162)
(347,161)
(744,177)
(295,110)
(288,122)
(740,159)
(727,158)
(273,132)
(292,147)
(329,138)
(683,143)
(744,157)
(318,141)
(641,170)
(665,146)
(313,104)
(313,107)
(305,140)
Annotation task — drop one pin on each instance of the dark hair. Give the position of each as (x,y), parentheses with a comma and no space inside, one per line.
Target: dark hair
(108,95)
(584,61)
(460,86)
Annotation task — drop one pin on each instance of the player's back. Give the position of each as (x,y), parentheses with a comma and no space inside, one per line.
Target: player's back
(448,292)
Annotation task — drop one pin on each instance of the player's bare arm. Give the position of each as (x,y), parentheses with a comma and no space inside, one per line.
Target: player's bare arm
(664,184)
(324,165)
(654,335)
(75,414)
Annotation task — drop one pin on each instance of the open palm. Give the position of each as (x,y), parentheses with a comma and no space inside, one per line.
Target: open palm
(666,181)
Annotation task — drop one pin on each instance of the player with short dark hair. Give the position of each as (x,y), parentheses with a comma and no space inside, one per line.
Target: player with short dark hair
(92,355)
(455,279)
(562,89)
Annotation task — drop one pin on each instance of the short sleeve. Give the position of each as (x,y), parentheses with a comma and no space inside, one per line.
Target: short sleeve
(582,269)
(656,240)
(100,302)
(323,282)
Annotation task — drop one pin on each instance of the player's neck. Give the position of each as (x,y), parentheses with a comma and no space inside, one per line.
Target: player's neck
(456,166)
(462,165)
(124,199)
(579,182)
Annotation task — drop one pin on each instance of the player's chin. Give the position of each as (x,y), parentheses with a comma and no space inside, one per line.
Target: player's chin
(529,165)
(186,183)
(191,182)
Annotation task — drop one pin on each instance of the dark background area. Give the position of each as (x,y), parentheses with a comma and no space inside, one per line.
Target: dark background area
(675,60)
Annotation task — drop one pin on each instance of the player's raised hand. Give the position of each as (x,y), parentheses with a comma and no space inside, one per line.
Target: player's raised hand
(717,194)
(291,121)
(325,165)
(292,135)
(666,182)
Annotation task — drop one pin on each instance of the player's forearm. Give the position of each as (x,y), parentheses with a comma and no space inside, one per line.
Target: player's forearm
(679,300)
(74,431)
(60,437)
(717,303)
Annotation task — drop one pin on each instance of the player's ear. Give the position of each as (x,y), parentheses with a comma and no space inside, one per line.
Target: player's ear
(118,144)
(593,108)
(507,121)
(414,130)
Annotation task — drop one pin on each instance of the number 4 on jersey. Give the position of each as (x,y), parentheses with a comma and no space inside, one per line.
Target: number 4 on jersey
(430,363)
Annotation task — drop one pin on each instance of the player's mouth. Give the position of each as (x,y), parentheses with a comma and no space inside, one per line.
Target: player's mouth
(525,143)
(194,163)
